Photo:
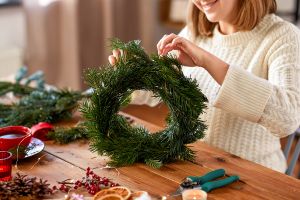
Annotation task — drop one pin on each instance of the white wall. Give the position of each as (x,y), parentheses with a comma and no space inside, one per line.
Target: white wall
(12,39)
(285,5)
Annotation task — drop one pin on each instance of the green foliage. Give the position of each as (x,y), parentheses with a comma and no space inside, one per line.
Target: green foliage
(19,89)
(67,135)
(110,134)
(16,88)
(40,106)
(154,163)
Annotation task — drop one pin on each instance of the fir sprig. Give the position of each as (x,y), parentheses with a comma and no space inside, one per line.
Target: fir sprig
(17,88)
(40,106)
(67,135)
(111,135)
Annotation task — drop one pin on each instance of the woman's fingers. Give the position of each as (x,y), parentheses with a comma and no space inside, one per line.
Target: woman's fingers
(159,44)
(164,41)
(168,39)
(177,43)
(116,53)
(112,59)
(167,49)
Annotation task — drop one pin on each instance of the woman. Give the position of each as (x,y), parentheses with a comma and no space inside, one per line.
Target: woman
(246,60)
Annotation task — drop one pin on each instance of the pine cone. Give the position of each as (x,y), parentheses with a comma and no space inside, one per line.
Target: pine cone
(22,187)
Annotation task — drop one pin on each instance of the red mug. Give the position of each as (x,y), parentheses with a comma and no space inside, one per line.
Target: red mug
(15,139)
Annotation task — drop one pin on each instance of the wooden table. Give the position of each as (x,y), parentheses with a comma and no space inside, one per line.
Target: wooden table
(60,162)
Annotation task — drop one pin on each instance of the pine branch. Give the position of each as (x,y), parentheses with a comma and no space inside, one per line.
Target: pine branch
(40,105)
(154,163)
(67,135)
(19,89)
(16,88)
(47,106)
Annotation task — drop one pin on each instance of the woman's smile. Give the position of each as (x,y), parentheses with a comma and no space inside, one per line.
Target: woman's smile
(208,5)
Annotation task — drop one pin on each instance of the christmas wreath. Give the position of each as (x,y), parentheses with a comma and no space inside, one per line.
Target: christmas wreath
(110,134)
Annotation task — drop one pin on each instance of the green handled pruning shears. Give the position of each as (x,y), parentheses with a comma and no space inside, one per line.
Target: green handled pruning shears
(206,182)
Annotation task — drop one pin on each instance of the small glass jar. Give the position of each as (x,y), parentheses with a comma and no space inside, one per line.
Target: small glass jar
(5,165)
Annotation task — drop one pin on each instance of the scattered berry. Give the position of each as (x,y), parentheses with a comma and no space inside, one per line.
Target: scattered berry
(91,182)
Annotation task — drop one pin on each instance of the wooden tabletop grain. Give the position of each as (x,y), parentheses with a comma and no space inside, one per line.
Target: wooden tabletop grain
(61,162)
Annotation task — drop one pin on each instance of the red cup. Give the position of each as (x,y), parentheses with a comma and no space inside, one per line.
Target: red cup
(15,138)
(5,165)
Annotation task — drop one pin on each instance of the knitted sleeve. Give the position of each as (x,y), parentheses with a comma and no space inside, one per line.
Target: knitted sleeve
(273,103)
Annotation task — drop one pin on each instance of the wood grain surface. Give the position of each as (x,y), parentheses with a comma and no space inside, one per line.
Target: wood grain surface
(60,162)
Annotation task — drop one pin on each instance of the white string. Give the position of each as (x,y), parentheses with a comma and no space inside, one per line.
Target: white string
(17,160)
(67,196)
(18,147)
(109,167)
(38,160)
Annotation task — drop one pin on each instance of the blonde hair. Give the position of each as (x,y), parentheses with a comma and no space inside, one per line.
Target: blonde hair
(249,15)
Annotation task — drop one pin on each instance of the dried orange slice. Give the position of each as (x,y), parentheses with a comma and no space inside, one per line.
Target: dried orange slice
(138,194)
(122,191)
(102,193)
(110,197)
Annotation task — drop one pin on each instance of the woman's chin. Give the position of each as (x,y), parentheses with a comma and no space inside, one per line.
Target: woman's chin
(212,19)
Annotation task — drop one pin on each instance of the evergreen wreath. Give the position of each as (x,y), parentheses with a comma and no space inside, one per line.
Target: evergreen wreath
(110,134)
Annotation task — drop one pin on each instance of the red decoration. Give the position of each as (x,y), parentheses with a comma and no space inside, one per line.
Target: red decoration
(5,165)
(91,182)
(41,130)
(13,137)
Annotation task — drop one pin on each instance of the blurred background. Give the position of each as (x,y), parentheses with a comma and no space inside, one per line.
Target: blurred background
(63,37)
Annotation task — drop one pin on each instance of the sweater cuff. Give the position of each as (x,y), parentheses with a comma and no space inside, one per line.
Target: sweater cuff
(143,97)
(243,94)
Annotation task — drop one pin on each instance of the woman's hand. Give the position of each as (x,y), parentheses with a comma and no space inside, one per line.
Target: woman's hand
(114,57)
(189,54)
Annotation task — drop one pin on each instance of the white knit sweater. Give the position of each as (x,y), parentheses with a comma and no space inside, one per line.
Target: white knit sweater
(259,100)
